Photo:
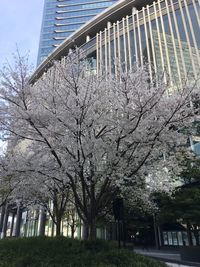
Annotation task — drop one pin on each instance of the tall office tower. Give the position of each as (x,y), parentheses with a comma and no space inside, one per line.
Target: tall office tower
(62,17)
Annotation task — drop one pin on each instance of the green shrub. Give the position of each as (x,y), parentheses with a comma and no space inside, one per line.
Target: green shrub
(65,252)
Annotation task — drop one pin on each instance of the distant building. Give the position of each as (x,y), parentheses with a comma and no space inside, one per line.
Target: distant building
(62,17)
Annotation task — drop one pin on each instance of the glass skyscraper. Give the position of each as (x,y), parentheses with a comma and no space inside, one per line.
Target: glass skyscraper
(62,17)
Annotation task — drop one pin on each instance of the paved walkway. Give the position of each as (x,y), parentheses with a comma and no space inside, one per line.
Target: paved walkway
(171,258)
(176,265)
(172,255)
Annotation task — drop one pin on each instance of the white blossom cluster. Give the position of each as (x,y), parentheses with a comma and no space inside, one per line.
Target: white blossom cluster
(89,136)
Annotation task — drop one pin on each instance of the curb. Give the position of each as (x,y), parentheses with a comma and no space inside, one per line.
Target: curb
(187,263)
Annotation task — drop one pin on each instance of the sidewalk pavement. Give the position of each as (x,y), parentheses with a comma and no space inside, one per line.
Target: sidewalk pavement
(176,265)
(170,257)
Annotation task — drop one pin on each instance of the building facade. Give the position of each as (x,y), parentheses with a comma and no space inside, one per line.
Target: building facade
(164,33)
(62,17)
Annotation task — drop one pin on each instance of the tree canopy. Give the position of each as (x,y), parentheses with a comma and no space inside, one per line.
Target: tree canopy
(90,133)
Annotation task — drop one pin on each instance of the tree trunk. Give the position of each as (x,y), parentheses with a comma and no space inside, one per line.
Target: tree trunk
(85,233)
(72,231)
(196,235)
(42,222)
(3,209)
(58,227)
(92,230)
(189,234)
(5,222)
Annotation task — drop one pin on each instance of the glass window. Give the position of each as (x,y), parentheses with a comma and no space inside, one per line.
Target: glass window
(144,45)
(132,47)
(175,239)
(180,238)
(185,239)
(195,22)
(165,238)
(170,238)
(112,56)
(188,26)
(122,50)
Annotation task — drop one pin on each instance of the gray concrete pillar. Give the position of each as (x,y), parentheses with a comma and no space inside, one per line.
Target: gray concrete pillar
(18,221)
(12,224)
(87,38)
(134,10)
(109,25)
(5,222)
(52,229)
(2,218)
(42,222)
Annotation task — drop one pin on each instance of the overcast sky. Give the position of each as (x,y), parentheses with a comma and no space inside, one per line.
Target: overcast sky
(20,23)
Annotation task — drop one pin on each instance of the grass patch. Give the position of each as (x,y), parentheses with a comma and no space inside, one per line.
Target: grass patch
(65,252)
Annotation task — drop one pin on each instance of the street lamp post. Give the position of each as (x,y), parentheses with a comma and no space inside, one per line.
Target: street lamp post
(118,210)
(156,231)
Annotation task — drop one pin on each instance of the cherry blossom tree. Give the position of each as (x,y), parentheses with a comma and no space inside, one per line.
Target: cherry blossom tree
(35,183)
(7,183)
(100,132)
